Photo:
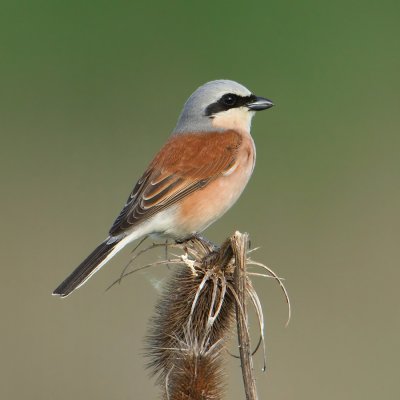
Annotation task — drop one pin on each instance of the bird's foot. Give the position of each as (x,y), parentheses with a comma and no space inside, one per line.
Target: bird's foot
(197,239)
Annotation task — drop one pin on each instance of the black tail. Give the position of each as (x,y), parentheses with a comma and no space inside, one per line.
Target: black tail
(86,269)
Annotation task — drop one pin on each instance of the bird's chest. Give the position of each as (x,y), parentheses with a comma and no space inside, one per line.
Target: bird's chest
(205,206)
(232,183)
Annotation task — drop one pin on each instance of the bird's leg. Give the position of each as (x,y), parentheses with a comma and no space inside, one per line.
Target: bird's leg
(213,246)
(211,254)
(199,240)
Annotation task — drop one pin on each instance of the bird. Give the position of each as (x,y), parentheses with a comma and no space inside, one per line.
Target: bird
(192,181)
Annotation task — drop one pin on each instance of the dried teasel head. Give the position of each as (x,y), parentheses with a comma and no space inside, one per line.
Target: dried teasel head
(194,316)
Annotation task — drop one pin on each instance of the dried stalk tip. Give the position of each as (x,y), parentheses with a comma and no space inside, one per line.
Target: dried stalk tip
(194,317)
(193,320)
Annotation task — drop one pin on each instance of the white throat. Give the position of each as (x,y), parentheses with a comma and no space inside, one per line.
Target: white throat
(236,118)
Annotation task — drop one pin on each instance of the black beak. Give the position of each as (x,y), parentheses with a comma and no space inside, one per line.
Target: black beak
(260,103)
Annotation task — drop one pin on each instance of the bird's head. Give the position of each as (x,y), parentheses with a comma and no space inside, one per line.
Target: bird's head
(220,105)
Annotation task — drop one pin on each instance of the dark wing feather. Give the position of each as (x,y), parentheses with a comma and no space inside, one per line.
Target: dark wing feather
(186,163)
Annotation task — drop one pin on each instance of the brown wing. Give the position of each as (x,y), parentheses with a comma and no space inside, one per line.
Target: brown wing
(186,163)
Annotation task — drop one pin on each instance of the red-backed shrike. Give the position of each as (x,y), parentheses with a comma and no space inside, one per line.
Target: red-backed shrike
(192,181)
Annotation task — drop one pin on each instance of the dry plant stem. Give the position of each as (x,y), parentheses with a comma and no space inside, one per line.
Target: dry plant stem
(239,246)
(194,317)
(192,323)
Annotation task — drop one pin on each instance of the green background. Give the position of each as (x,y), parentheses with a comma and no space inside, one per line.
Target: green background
(89,92)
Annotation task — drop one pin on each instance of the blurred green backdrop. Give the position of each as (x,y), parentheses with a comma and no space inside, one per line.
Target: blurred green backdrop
(90,91)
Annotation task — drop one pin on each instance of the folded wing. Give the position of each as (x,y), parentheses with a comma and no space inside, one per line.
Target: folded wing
(186,163)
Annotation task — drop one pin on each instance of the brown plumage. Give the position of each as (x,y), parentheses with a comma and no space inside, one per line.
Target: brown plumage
(203,207)
(185,164)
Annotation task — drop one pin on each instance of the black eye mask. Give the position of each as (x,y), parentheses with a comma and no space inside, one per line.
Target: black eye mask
(228,101)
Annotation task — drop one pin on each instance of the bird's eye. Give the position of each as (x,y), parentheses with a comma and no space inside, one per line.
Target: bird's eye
(229,99)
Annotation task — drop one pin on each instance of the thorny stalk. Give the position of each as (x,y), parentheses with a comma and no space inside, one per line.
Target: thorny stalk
(194,316)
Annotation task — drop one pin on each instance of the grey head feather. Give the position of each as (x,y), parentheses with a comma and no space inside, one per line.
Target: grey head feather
(193,117)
